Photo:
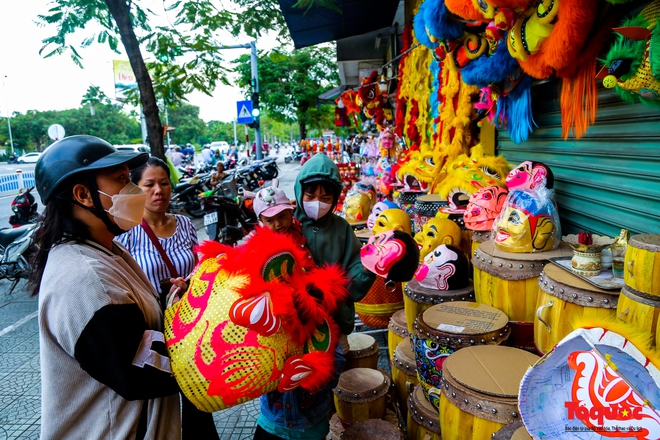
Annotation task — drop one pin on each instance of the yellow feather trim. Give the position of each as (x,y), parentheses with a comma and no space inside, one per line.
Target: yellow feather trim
(641,340)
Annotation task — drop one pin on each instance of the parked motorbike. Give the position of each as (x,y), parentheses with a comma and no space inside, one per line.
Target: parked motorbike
(225,220)
(185,196)
(16,249)
(293,156)
(249,176)
(24,207)
(268,169)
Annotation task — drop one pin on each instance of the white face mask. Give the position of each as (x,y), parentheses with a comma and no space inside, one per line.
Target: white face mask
(127,206)
(316,209)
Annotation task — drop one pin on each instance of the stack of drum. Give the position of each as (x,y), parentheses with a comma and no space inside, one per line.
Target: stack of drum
(639,302)
(363,393)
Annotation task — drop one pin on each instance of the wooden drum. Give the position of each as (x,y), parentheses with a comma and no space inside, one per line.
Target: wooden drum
(337,429)
(478,237)
(361,394)
(422,421)
(426,207)
(418,298)
(641,269)
(379,304)
(562,298)
(372,429)
(640,311)
(509,282)
(404,373)
(514,431)
(406,201)
(397,331)
(363,352)
(479,390)
(443,329)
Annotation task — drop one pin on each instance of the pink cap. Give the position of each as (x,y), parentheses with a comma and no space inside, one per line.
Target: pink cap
(271,201)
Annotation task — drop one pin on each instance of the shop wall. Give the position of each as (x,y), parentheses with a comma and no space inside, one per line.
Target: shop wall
(607,180)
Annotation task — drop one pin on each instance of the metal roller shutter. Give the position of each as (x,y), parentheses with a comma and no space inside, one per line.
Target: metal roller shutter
(607,180)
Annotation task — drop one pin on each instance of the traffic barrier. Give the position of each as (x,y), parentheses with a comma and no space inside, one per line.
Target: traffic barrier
(11,183)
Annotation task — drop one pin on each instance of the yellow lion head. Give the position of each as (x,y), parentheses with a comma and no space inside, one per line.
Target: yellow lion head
(465,175)
(419,169)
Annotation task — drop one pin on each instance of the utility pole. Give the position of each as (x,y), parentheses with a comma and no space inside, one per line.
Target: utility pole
(235,139)
(255,92)
(11,139)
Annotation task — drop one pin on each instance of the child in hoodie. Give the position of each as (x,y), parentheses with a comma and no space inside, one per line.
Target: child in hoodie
(330,239)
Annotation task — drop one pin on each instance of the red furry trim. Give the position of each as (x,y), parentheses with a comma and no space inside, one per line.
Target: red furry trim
(212,249)
(315,297)
(253,257)
(323,365)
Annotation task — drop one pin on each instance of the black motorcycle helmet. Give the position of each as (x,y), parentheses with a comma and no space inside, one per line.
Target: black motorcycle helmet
(77,154)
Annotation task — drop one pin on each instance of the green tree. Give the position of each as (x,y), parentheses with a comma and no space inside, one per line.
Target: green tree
(222,131)
(30,130)
(289,83)
(186,55)
(189,127)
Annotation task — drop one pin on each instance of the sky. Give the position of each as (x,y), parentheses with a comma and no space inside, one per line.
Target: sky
(31,82)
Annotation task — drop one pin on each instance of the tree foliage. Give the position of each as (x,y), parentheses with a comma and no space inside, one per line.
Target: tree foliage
(289,83)
(185,54)
(189,127)
(30,130)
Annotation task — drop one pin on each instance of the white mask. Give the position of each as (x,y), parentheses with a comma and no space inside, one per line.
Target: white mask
(316,209)
(127,206)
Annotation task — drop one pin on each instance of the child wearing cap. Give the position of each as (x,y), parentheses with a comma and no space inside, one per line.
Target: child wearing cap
(330,239)
(275,211)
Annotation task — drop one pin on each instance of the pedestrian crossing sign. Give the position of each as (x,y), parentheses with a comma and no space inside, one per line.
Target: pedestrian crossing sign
(244,112)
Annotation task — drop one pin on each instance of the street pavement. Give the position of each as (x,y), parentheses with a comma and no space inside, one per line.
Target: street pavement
(20,387)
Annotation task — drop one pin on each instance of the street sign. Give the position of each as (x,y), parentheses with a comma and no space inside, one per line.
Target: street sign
(244,111)
(56,132)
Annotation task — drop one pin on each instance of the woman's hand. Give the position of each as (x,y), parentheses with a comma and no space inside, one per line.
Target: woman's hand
(179,287)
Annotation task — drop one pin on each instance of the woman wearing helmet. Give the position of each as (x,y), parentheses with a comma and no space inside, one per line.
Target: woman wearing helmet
(104,367)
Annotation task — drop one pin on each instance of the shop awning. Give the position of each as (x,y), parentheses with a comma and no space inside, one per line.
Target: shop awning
(320,24)
(332,94)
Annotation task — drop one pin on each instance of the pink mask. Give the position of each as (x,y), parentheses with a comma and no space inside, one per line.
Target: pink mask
(526,176)
(484,207)
(382,252)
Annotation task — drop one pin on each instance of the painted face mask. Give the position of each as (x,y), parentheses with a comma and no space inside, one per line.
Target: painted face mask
(392,255)
(527,224)
(127,206)
(530,176)
(392,220)
(484,207)
(445,268)
(377,209)
(359,201)
(435,232)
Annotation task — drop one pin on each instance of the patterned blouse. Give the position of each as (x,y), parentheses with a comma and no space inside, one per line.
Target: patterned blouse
(179,247)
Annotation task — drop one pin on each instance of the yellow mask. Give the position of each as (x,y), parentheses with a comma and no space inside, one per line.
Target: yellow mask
(436,232)
(525,225)
(392,220)
(357,207)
